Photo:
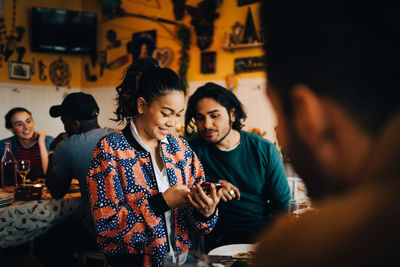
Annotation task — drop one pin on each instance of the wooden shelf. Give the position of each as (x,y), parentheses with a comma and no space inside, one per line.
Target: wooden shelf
(242,46)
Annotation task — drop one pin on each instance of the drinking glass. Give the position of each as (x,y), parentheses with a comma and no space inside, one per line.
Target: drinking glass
(23,168)
(298,206)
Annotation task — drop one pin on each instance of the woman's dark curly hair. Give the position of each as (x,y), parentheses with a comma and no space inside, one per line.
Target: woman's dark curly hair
(221,95)
(11,113)
(144,78)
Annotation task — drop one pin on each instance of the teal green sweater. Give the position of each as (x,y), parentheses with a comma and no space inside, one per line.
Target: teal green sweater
(256,168)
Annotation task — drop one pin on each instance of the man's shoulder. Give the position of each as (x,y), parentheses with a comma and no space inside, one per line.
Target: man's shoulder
(256,140)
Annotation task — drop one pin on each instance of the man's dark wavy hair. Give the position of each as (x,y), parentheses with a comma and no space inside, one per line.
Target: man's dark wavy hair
(221,95)
(344,50)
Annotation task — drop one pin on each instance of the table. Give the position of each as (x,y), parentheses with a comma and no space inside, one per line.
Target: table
(23,221)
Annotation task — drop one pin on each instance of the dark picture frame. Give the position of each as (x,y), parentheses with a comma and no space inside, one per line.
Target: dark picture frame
(20,70)
(246,2)
(208,62)
(249,64)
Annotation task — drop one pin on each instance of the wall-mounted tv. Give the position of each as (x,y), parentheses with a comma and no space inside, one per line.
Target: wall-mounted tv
(63,31)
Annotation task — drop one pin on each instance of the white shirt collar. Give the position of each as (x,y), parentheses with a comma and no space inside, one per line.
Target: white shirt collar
(136,135)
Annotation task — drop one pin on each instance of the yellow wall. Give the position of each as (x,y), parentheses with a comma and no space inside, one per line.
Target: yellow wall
(229,14)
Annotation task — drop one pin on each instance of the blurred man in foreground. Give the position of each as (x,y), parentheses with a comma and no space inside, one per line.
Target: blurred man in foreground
(333,79)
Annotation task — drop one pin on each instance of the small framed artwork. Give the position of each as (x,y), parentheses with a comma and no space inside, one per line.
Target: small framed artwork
(144,44)
(249,64)
(246,2)
(208,62)
(20,71)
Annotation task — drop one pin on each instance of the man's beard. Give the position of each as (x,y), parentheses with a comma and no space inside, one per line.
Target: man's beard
(319,182)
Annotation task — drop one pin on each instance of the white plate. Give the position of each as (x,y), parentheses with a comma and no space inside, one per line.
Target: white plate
(230,250)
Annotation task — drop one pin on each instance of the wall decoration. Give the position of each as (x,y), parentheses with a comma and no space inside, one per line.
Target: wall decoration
(20,32)
(246,2)
(144,44)
(111,36)
(112,9)
(88,75)
(102,61)
(20,71)
(42,66)
(184,37)
(163,56)
(203,17)
(119,62)
(8,49)
(60,72)
(179,9)
(33,67)
(21,52)
(250,33)
(237,33)
(232,81)
(249,64)
(208,62)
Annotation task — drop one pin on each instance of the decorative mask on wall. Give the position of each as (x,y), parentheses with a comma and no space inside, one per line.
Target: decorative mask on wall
(203,17)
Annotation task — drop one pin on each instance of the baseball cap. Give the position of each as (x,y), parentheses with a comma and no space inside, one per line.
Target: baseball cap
(79,106)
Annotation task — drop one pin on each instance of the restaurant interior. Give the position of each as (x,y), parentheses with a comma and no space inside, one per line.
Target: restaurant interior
(100,74)
(46,57)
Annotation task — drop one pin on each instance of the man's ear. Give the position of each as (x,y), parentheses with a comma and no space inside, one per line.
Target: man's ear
(76,124)
(309,116)
(232,114)
(141,103)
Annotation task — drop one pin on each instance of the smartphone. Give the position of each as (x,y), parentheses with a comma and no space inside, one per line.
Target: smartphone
(206,186)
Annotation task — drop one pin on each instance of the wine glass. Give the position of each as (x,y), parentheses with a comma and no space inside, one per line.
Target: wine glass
(299,206)
(23,168)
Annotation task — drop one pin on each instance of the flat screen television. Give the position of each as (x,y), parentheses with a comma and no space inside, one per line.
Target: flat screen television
(63,31)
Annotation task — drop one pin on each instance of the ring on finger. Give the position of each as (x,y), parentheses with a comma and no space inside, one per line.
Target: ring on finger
(231,192)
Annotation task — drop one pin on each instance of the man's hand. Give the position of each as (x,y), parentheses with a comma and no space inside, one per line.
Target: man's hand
(57,140)
(204,204)
(229,191)
(176,196)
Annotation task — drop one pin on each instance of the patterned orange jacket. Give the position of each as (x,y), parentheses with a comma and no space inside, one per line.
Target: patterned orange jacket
(127,207)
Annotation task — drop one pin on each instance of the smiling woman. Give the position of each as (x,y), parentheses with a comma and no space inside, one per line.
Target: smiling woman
(27,143)
(144,182)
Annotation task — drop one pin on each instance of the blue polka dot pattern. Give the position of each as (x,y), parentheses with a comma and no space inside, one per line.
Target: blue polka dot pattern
(121,181)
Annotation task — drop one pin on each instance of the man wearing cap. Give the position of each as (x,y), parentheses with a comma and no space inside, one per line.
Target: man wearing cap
(69,157)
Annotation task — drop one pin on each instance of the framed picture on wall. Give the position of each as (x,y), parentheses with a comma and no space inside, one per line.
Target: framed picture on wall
(208,62)
(249,64)
(20,71)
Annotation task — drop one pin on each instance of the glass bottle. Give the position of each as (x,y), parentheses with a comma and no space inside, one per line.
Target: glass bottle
(8,167)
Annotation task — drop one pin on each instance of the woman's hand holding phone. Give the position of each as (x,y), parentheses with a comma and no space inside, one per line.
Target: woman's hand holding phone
(176,196)
(203,203)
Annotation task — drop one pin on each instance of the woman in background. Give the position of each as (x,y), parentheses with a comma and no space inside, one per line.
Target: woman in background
(26,143)
(144,183)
